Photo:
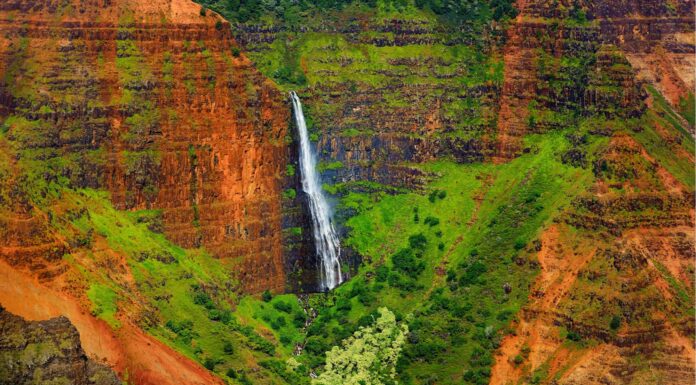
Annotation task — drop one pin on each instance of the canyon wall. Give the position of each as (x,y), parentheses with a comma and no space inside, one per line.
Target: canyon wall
(154,102)
(382,92)
(385,92)
(611,264)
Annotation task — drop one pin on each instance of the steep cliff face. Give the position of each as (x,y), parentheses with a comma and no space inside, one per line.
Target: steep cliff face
(383,90)
(613,267)
(153,102)
(391,92)
(655,40)
(520,191)
(615,271)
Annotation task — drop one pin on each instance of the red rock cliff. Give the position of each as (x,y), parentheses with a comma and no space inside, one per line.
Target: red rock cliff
(188,125)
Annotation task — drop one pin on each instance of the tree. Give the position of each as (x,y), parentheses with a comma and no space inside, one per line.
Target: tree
(369,356)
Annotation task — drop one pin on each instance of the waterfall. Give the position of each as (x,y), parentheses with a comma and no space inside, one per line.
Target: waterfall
(325,239)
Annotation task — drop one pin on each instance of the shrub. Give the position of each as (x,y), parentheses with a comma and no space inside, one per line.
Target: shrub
(432,196)
(615,322)
(203,11)
(472,273)
(382,273)
(231,373)
(283,306)
(573,336)
(210,363)
(520,244)
(431,221)
(244,380)
(178,327)
(343,305)
(316,346)
(478,377)
(228,348)
(427,350)
(399,282)
(203,299)
(418,241)
(504,315)
(260,344)
(287,74)
(235,51)
(219,25)
(299,320)
(266,296)
(517,360)
(366,298)
(278,323)
(480,357)
(406,262)
(436,194)
(214,315)
(368,319)
(225,316)
(290,194)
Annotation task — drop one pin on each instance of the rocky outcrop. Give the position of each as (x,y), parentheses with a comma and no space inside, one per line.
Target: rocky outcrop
(46,352)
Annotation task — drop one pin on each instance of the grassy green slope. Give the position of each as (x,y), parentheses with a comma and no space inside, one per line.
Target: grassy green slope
(487,219)
(184,297)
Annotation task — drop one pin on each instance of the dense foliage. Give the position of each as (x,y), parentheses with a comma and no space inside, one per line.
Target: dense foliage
(292,12)
(369,356)
(446,266)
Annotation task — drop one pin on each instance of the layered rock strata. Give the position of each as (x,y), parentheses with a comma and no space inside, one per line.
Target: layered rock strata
(153,102)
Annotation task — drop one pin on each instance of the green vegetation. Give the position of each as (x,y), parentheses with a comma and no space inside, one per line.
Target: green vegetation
(292,14)
(446,266)
(329,166)
(281,315)
(103,303)
(290,193)
(369,356)
(188,289)
(482,247)
(671,155)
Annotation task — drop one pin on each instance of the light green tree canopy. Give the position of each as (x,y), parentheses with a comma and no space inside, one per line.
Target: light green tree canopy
(368,357)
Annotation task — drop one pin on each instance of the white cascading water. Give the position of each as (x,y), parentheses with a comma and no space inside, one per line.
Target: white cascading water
(325,239)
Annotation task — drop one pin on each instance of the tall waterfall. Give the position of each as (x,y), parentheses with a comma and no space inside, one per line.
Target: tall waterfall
(325,238)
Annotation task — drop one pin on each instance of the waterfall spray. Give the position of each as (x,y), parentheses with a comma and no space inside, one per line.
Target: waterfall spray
(325,239)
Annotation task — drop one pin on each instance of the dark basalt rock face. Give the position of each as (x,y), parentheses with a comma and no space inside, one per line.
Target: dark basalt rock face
(46,352)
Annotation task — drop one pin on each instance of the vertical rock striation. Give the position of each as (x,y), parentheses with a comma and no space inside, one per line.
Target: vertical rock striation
(152,101)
